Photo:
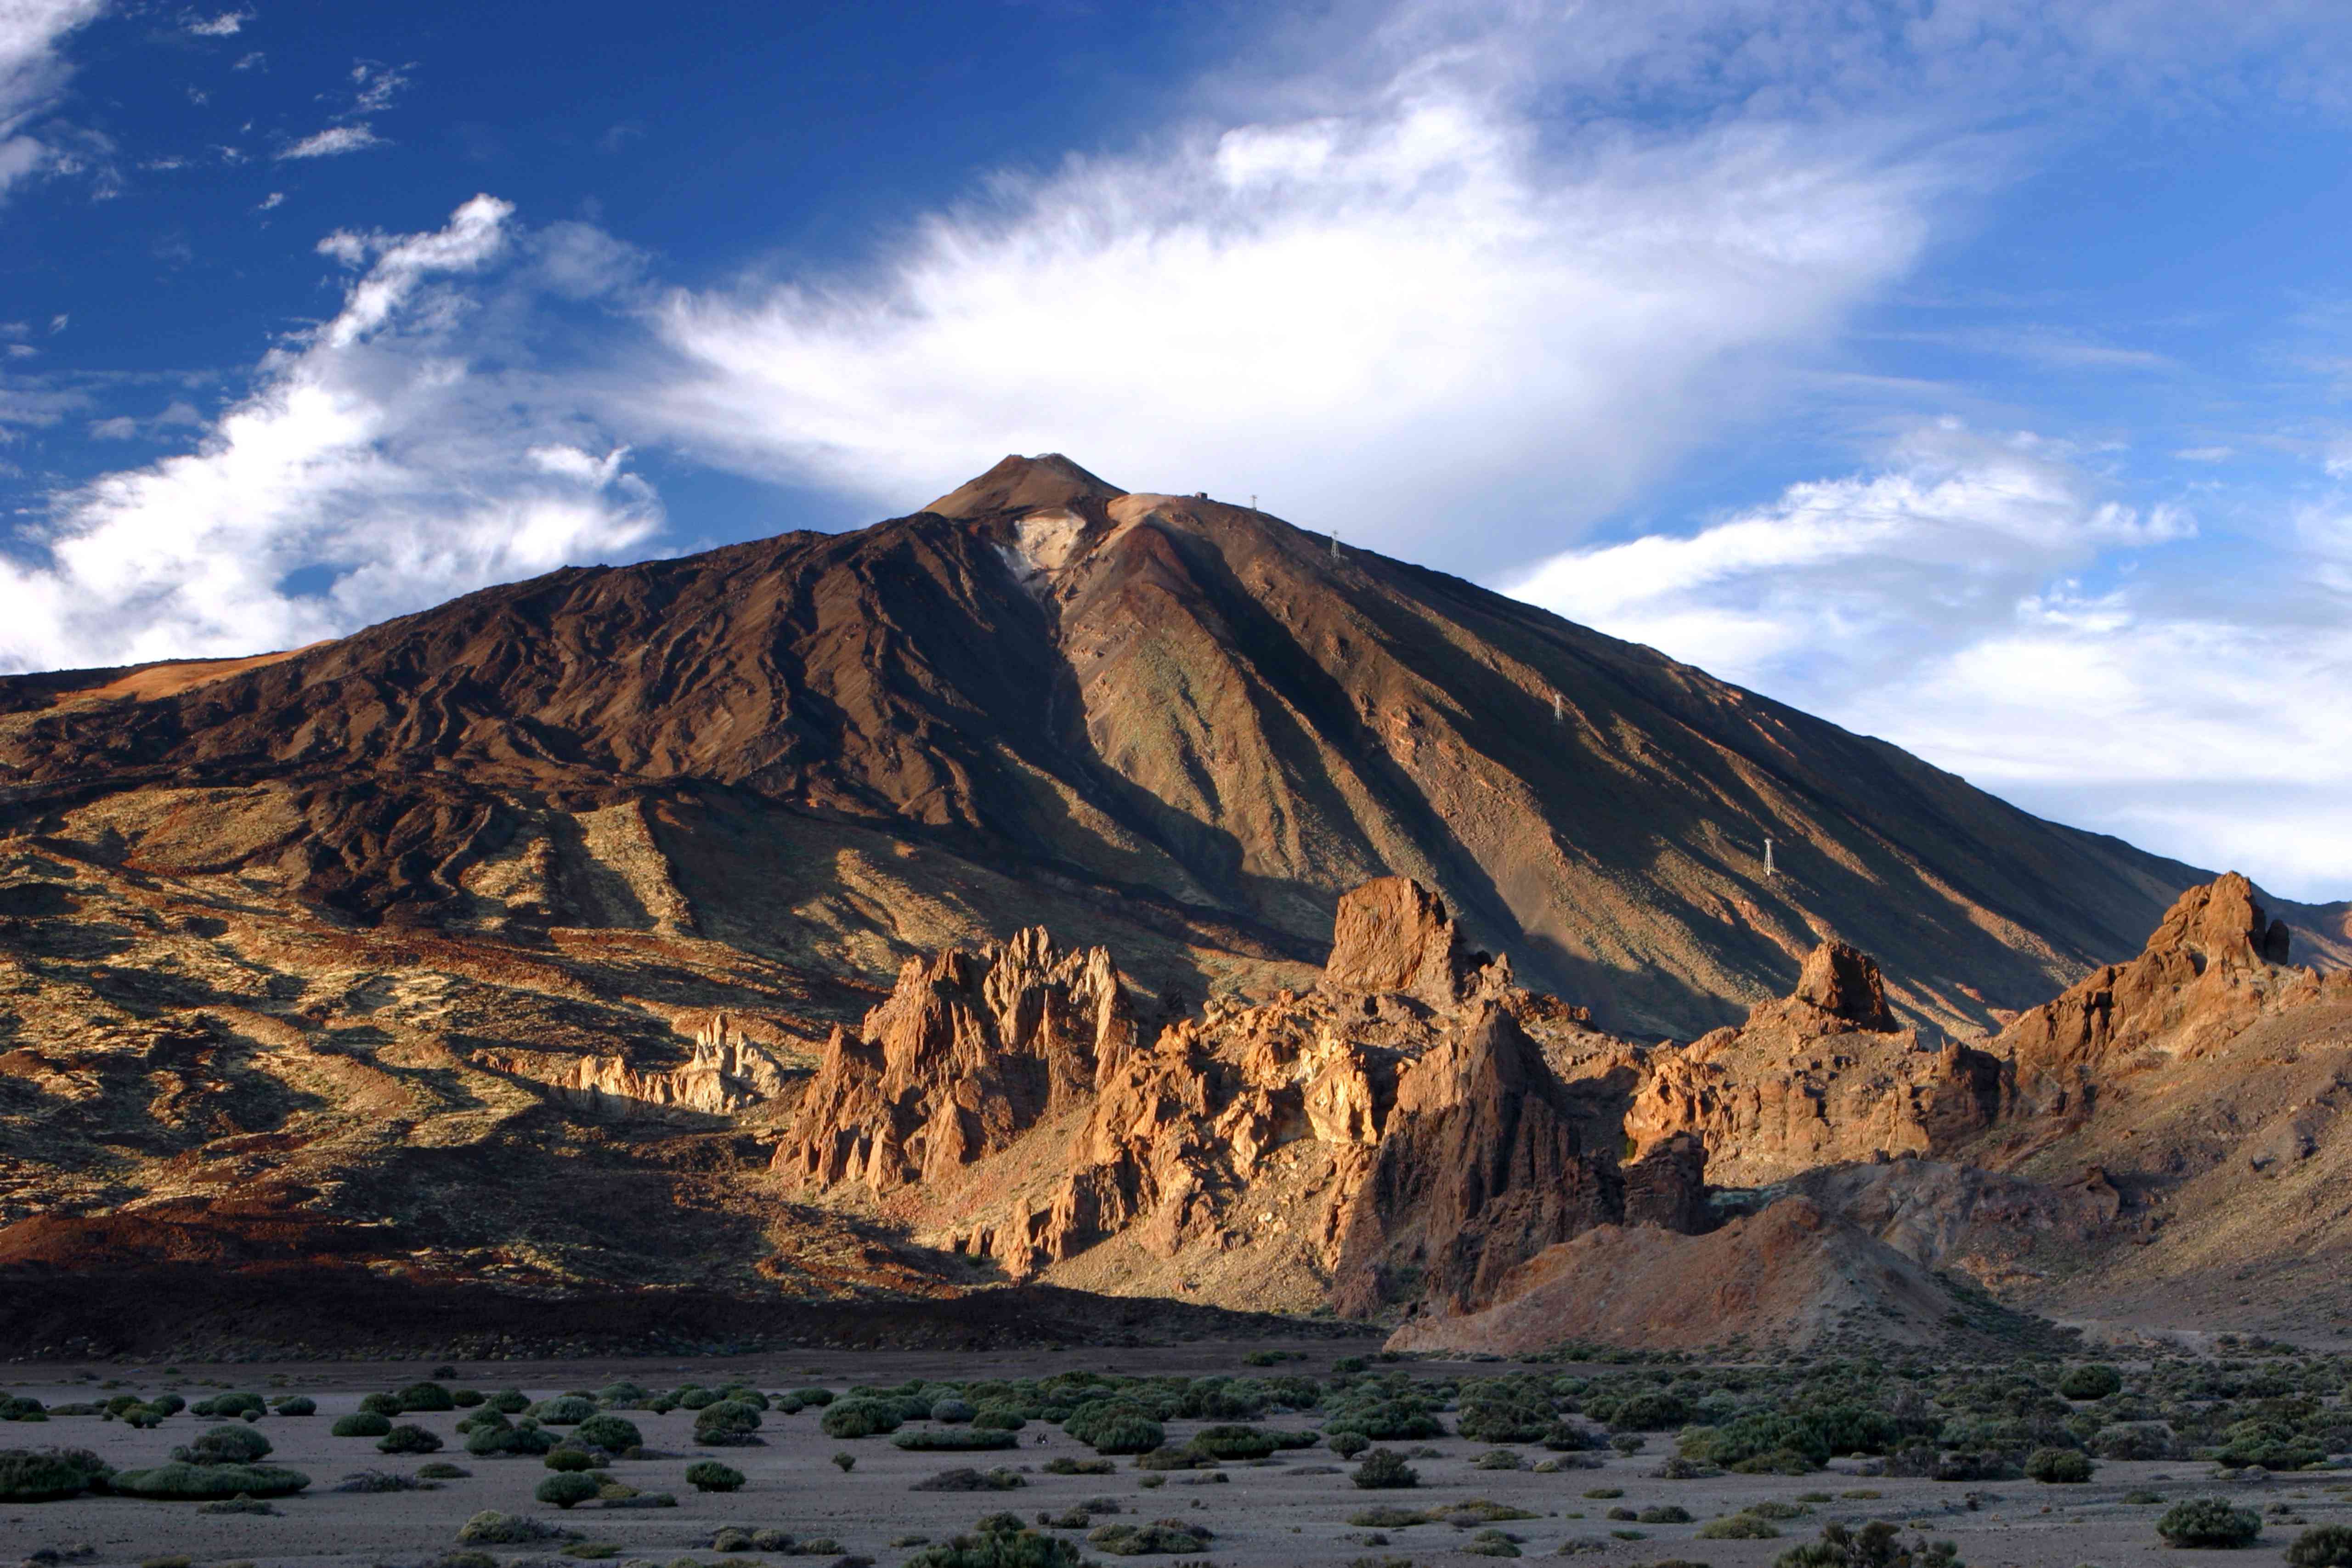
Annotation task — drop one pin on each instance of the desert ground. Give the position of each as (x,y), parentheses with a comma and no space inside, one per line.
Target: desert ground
(1299,1506)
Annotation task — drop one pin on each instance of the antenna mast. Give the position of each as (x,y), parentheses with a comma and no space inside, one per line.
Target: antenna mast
(1768,859)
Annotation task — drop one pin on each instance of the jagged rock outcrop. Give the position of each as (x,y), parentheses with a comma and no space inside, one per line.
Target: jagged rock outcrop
(1820,1078)
(2213,964)
(1391,934)
(1480,1170)
(970,1050)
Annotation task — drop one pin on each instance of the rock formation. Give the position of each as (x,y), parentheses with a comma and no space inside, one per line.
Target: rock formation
(1822,1077)
(969,1052)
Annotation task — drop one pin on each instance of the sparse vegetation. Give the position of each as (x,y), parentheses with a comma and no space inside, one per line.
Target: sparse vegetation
(567,1489)
(1385,1469)
(711,1476)
(2209,1521)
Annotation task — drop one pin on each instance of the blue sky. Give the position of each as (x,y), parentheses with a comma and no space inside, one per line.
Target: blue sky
(1972,373)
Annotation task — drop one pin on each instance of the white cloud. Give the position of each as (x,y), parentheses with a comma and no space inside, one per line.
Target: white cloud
(31,75)
(1387,316)
(1938,603)
(227,24)
(334,141)
(372,446)
(274,198)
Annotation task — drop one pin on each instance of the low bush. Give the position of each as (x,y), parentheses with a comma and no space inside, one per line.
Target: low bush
(2058,1467)
(509,1402)
(297,1404)
(858,1419)
(468,1398)
(408,1439)
(2321,1546)
(1384,1470)
(1000,1541)
(711,1476)
(1389,1517)
(564,1410)
(440,1471)
(381,1403)
(1000,1417)
(491,1528)
(999,1480)
(2209,1521)
(370,1482)
(726,1424)
(1738,1526)
(1235,1442)
(818,1397)
(229,1406)
(1143,1539)
(955,1440)
(1128,1434)
(1346,1444)
(569,1459)
(1877,1544)
(182,1482)
(953,1410)
(1065,1465)
(614,1433)
(224,1445)
(425,1396)
(1669,1513)
(567,1489)
(360,1424)
(27,1476)
(2094,1382)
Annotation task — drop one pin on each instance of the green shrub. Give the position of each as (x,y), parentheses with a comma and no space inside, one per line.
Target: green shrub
(2058,1467)
(1000,1417)
(1144,1540)
(711,1476)
(995,1543)
(1235,1442)
(408,1439)
(623,1395)
(567,1488)
(564,1410)
(1738,1526)
(1065,1465)
(297,1404)
(1877,1544)
(2321,1546)
(21,1407)
(2209,1521)
(425,1396)
(726,1424)
(1384,1469)
(953,1410)
(1129,1434)
(858,1419)
(441,1471)
(818,1397)
(509,1402)
(1661,1411)
(226,1406)
(955,1440)
(224,1445)
(614,1433)
(381,1403)
(360,1424)
(29,1477)
(468,1398)
(491,1528)
(182,1482)
(2093,1381)
(1669,1513)
(1346,1444)
(569,1459)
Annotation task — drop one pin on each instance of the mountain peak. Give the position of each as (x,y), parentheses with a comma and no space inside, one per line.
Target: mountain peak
(1020,484)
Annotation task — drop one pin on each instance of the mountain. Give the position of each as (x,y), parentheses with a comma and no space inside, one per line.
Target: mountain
(678,925)
(1184,713)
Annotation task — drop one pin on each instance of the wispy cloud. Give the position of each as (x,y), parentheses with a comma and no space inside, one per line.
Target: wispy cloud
(369,443)
(31,75)
(222,24)
(333,143)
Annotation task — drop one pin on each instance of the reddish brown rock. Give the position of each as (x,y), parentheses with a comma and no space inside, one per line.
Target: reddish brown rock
(969,1052)
(1392,935)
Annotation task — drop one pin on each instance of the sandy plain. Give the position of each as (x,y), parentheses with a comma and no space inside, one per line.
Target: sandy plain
(1292,1509)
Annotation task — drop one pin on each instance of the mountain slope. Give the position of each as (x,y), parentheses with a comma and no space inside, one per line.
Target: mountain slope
(1181,713)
